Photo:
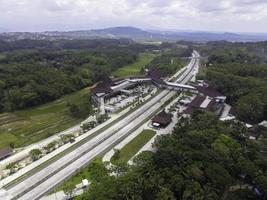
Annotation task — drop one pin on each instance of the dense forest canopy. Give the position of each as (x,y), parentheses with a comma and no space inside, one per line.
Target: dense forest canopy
(61,44)
(239,70)
(171,59)
(203,158)
(33,72)
(200,160)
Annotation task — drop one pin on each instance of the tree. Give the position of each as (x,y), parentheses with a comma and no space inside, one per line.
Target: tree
(68,188)
(66,138)
(262,183)
(250,108)
(75,111)
(165,194)
(35,154)
(88,125)
(116,155)
(101,118)
(11,167)
(51,146)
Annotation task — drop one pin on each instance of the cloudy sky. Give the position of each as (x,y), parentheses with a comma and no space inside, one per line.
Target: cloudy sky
(211,15)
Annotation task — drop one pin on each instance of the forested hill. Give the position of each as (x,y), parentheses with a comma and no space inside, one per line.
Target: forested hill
(61,44)
(34,72)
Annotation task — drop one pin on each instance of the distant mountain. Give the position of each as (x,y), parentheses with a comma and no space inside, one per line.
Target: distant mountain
(136,34)
(123,30)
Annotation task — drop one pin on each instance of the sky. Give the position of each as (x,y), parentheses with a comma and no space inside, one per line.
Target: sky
(205,15)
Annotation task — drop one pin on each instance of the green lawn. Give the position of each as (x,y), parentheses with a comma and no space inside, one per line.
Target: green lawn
(135,68)
(25,127)
(202,72)
(130,149)
(84,173)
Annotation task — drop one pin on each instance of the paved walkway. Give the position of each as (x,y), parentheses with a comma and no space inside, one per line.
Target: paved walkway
(56,196)
(225,111)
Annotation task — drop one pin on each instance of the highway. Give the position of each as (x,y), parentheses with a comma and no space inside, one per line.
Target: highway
(37,185)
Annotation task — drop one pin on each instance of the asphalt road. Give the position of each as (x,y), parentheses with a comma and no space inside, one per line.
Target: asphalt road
(46,179)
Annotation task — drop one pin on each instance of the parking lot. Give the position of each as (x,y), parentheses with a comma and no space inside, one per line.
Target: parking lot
(128,97)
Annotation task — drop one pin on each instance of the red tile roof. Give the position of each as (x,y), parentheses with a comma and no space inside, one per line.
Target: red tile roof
(189,110)
(162,118)
(197,101)
(212,104)
(103,87)
(208,91)
(156,75)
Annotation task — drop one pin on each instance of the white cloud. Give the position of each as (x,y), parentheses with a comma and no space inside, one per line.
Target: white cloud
(226,15)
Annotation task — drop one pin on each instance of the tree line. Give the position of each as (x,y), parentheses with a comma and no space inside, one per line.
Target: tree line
(35,76)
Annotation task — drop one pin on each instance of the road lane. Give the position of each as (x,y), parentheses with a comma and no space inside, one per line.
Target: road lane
(43,181)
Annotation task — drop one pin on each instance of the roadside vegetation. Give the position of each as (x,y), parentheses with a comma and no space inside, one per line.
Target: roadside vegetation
(135,68)
(34,77)
(85,173)
(122,156)
(202,159)
(171,60)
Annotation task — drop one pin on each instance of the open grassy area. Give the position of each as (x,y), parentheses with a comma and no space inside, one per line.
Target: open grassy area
(25,127)
(130,149)
(84,173)
(135,68)
(202,71)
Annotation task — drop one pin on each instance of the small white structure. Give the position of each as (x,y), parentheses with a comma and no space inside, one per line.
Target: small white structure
(85,183)
(263,123)
(252,137)
(248,125)
(227,118)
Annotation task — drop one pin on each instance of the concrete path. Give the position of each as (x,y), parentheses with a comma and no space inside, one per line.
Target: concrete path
(226,110)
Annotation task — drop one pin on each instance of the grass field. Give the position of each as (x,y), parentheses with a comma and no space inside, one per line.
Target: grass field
(130,149)
(202,71)
(135,68)
(25,127)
